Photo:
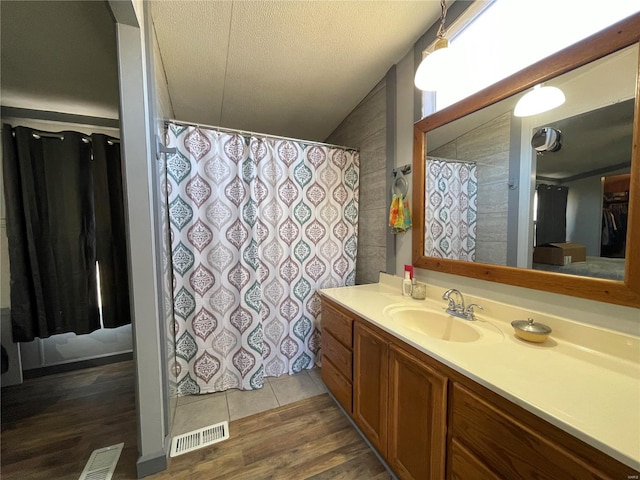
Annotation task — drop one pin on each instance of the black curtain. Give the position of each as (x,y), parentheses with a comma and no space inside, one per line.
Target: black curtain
(111,243)
(551,224)
(50,198)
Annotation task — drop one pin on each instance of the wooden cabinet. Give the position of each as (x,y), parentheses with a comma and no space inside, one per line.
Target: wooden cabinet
(490,434)
(370,386)
(417,417)
(337,353)
(400,404)
(428,421)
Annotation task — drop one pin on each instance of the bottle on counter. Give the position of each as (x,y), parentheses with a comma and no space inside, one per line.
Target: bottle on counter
(407,286)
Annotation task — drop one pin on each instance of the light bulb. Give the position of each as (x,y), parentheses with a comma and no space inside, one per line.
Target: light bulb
(433,72)
(540,99)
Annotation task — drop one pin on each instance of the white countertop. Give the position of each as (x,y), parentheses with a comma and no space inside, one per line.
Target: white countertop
(583,379)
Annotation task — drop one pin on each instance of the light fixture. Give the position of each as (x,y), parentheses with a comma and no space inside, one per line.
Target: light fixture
(546,139)
(540,99)
(430,75)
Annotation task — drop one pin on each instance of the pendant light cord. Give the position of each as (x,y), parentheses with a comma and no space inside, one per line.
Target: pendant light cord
(441,31)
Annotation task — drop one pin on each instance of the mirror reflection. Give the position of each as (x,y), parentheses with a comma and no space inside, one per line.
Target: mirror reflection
(548,191)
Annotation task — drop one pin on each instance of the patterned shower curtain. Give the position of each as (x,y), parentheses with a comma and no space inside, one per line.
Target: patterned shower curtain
(451,203)
(258,225)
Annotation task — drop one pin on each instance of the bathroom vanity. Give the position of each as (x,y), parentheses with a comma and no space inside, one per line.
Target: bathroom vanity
(472,400)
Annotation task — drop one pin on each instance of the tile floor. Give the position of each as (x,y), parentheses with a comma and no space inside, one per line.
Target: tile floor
(198,411)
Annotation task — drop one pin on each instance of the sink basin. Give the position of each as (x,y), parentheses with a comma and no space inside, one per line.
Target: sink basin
(442,326)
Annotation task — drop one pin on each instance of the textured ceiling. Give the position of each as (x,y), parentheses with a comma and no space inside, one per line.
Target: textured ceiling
(59,56)
(291,68)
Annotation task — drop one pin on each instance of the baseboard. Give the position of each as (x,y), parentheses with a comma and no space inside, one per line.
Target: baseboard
(71,366)
(382,460)
(152,463)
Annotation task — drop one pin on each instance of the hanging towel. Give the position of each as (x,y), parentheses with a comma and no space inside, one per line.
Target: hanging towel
(399,214)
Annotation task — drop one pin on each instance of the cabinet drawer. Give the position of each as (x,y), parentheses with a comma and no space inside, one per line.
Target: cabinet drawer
(338,324)
(463,465)
(338,354)
(508,447)
(339,386)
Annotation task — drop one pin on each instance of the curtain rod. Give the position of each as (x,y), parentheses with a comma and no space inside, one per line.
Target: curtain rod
(450,160)
(37,134)
(59,117)
(233,130)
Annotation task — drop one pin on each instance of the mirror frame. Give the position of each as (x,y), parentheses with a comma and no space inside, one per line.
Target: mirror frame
(627,292)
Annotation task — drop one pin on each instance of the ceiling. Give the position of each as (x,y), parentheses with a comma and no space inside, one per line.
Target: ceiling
(291,68)
(59,56)
(590,143)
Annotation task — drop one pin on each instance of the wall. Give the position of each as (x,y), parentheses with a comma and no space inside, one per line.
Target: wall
(164,111)
(137,104)
(488,146)
(365,128)
(403,152)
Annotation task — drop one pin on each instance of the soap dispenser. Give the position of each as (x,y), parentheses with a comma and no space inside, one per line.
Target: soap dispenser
(407,286)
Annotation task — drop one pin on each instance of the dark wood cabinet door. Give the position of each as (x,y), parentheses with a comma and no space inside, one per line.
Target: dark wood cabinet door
(370,385)
(417,418)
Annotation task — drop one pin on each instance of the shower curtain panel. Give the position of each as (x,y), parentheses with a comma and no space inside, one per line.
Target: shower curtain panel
(451,204)
(258,224)
(65,211)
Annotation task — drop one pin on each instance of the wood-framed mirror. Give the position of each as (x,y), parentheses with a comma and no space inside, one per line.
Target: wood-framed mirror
(515,265)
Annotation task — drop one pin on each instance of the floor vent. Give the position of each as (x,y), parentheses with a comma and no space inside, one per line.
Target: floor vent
(102,463)
(203,437)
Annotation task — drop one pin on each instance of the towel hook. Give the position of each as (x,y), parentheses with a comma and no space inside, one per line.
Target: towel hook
(400,185)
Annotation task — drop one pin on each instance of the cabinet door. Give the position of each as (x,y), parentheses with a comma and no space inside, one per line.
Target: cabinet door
(506,445)
(463,465)
(417,418)
(370,390)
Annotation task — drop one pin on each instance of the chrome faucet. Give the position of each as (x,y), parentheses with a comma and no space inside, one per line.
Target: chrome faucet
(453,306)
(458,309)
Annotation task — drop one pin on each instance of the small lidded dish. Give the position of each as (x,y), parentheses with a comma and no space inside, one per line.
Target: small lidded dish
(530,331)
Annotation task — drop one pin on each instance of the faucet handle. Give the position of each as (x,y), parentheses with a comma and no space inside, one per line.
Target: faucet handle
(469,310)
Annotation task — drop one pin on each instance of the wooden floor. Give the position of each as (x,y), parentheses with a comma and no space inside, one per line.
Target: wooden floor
(51,425)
